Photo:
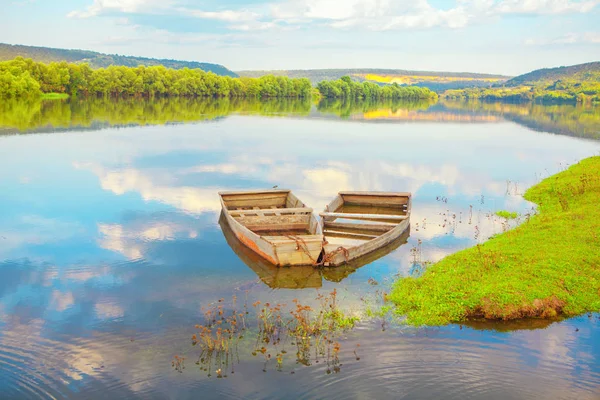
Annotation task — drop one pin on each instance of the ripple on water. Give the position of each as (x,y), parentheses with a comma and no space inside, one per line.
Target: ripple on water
(32,366)
(471,365)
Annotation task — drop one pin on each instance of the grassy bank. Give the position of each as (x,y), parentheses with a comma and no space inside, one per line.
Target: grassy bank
(546,267)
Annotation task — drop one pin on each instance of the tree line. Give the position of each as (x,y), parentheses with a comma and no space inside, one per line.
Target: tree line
(346,88)
(576,89)
(24,77)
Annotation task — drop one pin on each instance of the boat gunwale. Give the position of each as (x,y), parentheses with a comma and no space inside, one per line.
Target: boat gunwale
(359,250)
(238,228)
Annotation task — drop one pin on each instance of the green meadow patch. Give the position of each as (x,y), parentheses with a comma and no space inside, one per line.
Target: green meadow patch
(549,266)
(507,214)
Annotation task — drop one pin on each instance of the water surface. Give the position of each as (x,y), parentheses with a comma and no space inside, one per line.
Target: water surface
(110,243)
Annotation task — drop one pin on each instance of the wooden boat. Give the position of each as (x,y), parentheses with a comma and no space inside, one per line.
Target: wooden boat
(297,277)
(275,224)
(336,273)
(358,223)
(302,276)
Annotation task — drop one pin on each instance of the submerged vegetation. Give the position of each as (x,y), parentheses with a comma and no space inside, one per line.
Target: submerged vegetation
(547,267)
(311,333)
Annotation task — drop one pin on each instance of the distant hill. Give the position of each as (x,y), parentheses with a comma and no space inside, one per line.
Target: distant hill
(580,72)
(437,81)
(574,84)
(100,60)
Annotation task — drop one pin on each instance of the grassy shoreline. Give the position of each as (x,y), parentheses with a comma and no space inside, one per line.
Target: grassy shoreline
(547,267)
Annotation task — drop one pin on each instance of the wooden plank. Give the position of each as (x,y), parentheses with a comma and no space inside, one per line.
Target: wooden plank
(370,246)
(293,202)
(387,194)
(336,203)
(370,209)
(358,228)
(276,227)
(274,219)
(260,191)
(388,201)
(373,217)
(349,235)
(261,199)
(285,238)
(272,211)
(289,253)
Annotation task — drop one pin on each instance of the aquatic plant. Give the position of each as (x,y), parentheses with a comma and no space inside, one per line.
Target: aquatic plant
(507,214)
(313,332)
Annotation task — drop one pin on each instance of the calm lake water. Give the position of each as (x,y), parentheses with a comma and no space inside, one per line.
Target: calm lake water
(110,244)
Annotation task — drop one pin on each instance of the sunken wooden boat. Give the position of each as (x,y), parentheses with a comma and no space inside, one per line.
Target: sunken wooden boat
(357,223)
(298,277)
(275,224)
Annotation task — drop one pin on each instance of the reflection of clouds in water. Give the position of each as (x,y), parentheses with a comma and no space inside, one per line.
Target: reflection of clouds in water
(115,239)
(133,237)
(108,311)
(327,181)
(316,186)
(189,199)
(51,362)
(60,301)
(446,175)
(35,229)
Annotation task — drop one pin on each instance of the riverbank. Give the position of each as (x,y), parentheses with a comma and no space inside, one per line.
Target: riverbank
(547,267)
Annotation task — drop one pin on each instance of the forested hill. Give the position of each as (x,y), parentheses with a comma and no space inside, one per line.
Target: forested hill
(438,81)
(100,60)
(574,84)
(578,72)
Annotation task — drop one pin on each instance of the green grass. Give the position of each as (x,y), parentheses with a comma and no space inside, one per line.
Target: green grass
(54,96)
(507,214)
(547,267)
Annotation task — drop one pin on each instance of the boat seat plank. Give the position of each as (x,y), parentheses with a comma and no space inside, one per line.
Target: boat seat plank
(364,216)
(358,228)
(272,211)
(381,194)
(276,227)
(329,233)
(305,238)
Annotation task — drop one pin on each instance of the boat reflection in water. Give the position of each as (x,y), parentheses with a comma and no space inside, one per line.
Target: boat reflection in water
(304,276)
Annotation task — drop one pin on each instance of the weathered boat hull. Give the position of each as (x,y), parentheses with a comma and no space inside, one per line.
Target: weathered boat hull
(275,224)
(297,277)
(388,214)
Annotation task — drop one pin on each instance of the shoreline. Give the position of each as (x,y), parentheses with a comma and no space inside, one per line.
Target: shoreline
(547,267)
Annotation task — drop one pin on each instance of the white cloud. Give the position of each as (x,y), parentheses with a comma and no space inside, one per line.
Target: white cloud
(544,6)
(224,15)
(376,15)
(569,38)
(123,6)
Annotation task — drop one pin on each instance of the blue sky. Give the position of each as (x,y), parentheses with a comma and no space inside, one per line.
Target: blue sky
(494,36)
